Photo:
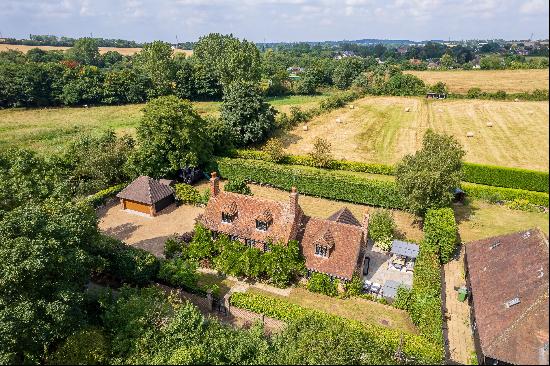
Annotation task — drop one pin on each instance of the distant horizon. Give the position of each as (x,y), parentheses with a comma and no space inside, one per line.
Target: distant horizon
(278,21)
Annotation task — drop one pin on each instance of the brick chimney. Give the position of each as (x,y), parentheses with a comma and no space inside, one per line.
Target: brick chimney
(214,184)
(294,207)
(365,226)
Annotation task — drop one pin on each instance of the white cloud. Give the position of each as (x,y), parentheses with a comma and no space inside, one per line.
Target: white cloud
(534,7)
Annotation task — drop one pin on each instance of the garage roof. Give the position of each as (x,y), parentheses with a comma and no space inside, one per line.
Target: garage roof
(146,190)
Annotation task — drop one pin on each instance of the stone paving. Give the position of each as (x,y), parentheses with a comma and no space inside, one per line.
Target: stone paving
(457,314)
(379,271)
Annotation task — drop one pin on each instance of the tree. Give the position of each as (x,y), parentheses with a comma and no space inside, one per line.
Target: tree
(492,62)
(283,263)
(381,229)
(321,153)
(156,63)
(111,58)
(347,69)
(83,86)
(170,136)
(124,86)
(230,59)
(247,115)
(428,178)
(274,150)
(45,265)
(404,84)
(85,51)
(447,61)
(238,185)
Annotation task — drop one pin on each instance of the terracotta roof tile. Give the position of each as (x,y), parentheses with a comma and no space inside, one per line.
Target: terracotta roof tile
(344,216)
(501,269)
(145,190)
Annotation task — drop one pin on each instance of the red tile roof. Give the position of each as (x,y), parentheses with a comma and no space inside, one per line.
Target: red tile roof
(146,190)
(501,269)
(344,216)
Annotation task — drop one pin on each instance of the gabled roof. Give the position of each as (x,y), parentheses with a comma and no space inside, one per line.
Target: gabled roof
(145,190)
(509,281)
(344,216)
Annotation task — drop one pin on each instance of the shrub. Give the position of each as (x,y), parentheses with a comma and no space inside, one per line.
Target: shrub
(238,185)
(381,226)
(495,194)
(180,273)
(187,194)
(441,232)
(321,153)
(316,182)
(355,286)
(500,94)
(99,198)
(274,150)
(506,177)
(86,347)
(173,248)
(202,246)
(321,283)
(283,263)
(521,204)
(403,299)
(474,93)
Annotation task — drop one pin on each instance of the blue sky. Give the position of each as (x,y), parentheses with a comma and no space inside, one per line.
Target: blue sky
(277,20)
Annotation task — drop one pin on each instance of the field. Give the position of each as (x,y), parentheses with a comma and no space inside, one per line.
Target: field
(380,130)
(511,81)
(49,129)
(122,51)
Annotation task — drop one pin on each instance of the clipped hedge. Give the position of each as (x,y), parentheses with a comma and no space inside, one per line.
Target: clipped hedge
(332,184)
(99,198)
(494,194)
(441,232)
(386,340)
(529,180)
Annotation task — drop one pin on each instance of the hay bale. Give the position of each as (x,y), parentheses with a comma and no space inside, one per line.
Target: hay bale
(489,124)
(440,110)
(407,109)
(516,100)
(351,106)
(338,120)
(305,127)
(470,134)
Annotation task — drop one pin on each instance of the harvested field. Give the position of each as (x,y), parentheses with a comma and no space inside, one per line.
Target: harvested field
(122,51)
(511,81)
(380,130)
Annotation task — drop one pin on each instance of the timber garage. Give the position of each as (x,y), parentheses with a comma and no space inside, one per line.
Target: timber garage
(146,195)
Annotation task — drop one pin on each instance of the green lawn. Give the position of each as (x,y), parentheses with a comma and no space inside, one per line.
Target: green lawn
(209,279)
(353,308)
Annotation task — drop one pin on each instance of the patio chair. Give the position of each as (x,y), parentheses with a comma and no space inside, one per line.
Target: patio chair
(367,285)
(375,288)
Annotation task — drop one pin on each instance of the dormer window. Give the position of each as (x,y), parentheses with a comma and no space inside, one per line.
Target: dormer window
(264,220)
(262,225)
(228,218)
(321,250)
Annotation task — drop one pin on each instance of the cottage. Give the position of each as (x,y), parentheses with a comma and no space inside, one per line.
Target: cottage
(147,195)
(507,277)
(333,246)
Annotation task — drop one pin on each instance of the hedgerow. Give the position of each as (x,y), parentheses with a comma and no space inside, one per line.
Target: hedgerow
(338,185)
(529,180)
(384,340)
(441,232)
(99,198)
(495,194)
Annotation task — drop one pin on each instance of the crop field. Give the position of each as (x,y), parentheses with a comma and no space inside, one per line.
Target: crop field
(511,81)
(379,130)
(122,51)
(49,129)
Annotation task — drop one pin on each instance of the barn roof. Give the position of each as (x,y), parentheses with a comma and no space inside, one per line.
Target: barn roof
(509,282)
(146,190)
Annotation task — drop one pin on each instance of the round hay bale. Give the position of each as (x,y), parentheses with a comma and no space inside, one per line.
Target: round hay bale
(516,100)
(407,109)
(440,110)
(489,124)
(470,134)
(351,106)
(305,127)
(338,120)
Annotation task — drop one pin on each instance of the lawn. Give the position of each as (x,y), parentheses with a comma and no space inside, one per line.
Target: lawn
(511,81)
(210,279)
(49,129)
(480,220)
(379,130)
(359,309)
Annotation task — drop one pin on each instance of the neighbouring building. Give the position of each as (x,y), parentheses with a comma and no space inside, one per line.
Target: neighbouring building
(507,277)
(334,246)
(147,195)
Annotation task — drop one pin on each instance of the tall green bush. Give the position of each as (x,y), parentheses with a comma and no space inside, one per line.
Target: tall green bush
(441,232)
(322,284)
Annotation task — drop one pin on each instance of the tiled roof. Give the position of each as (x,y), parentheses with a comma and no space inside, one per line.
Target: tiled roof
(283,225)
(145,190)
(510,268)
(347,241)
(344,216)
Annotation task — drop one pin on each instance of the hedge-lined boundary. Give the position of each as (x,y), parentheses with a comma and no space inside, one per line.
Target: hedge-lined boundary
(516,178)
(414,347)
(99,198)
(441,232)
(494,194)
(332,184)
(344,186)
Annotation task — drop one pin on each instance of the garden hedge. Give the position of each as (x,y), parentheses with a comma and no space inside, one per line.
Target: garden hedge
(529,180)
(441,232)
(387,340)
(99,198)
(339,185)
(494,194)
(516,178)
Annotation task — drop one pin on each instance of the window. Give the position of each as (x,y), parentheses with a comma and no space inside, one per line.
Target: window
(233,237)
(214,235)
(250,242)
(262,225)
(321,250)
(267,247)
(228,218)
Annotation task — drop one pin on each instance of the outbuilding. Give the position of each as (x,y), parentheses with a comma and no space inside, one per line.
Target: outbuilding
(146,195)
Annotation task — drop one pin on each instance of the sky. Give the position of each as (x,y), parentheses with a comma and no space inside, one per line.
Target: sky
(277,20)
